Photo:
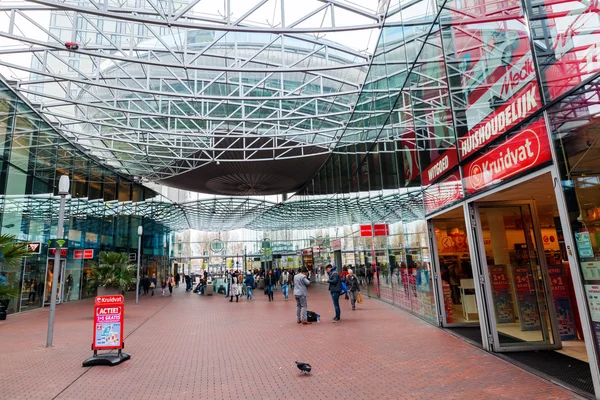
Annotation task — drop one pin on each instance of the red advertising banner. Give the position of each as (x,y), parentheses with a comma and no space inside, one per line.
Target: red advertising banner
(523,151)
(558,281)
(499,278)
(381,229)
(77,254)
(514,111)
(88,253)
(443,193)
(366,230)
(336,244)
(523,280)
(108,327)
(439,167)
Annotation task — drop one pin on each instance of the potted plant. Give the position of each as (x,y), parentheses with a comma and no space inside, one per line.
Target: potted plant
(113,275)
(11,253)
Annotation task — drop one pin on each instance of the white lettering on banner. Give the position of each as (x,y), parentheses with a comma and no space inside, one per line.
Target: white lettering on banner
(103,311)
(438,168)
(500,122)
(508,160)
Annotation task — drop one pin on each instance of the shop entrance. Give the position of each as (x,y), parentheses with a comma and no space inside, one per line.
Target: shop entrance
(454,272)
(517,282)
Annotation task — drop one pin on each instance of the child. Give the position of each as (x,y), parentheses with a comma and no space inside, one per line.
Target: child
(163,285)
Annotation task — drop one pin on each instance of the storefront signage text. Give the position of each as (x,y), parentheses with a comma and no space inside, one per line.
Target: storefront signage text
(525,150)
(443,193)
(507,116)
(439,167)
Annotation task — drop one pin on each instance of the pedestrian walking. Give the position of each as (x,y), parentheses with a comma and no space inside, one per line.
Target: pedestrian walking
(335,288)
(153,284)
(171,284)
(249,282)
(285,281)
(235,288)
(301,283)
(353,287)
(343,276)
(163,285)
(146,284)
(177,279)
(270,282)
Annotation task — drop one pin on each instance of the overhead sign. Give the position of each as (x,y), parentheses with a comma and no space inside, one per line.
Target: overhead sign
(266,243)
(85,254)
(522,152)
(58,243)
(108,323)
(63,253)
(35,247)
(336,244)
(132,257)
(217,246)
(379,229)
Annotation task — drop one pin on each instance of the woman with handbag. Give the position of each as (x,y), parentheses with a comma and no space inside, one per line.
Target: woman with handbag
(171,283)
(353,288)
(153,283)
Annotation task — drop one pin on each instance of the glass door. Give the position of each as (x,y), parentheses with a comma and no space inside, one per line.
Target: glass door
(516,280)
(453,272)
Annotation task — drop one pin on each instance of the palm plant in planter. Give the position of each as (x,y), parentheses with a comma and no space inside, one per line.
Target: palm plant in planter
(113,274)
(11,253)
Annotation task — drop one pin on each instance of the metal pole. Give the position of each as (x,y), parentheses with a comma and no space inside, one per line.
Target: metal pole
(137,285)
(56,269)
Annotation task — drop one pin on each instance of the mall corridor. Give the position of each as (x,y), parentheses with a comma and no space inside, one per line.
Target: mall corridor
(195,347)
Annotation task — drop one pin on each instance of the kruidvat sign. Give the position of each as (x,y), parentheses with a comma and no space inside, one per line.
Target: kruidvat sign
(524,151)
(108,323)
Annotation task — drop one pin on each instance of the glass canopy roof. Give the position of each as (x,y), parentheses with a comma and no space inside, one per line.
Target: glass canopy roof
(157,88)
(223,214)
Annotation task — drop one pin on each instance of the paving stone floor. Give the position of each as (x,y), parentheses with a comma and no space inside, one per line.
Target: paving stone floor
(189,346)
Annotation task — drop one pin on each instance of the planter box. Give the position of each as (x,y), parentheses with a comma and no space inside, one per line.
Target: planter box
(107,291)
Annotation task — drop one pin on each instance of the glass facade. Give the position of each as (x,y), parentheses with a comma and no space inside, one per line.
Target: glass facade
(103,210)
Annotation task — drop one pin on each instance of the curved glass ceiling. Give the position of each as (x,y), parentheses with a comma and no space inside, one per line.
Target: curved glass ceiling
(156,88)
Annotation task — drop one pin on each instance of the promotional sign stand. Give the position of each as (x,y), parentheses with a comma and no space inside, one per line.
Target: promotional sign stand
(108,331)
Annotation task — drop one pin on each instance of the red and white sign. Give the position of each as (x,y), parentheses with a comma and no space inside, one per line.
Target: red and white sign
(114,299)
(336,244)
(439,167)
(380,230)
(504,118)
(35,247)
(523,151)
(63,252)
(443,193)
(109,313)
(366,230)
(86,254)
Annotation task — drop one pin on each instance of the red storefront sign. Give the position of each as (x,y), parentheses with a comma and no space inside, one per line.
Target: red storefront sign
(523,280)
(524,151)
(108,323)
(558,281)
(86,254)
(515,110)
(336,244)
(63,252)
(111,299)
(443,193)
(440,166)
(380,230)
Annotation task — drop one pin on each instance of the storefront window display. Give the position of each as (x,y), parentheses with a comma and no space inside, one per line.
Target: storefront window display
(575,128)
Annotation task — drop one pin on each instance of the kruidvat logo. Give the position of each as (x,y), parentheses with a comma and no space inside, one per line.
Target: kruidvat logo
(116,299)
(523,151)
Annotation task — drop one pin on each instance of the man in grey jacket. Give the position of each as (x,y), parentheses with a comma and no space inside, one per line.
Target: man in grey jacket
(301,283)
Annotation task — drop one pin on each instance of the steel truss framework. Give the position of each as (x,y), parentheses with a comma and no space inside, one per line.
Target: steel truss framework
(223,214)
(160,87)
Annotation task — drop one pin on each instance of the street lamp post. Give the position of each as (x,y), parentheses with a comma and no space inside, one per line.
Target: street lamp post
(63,191)
(137,285)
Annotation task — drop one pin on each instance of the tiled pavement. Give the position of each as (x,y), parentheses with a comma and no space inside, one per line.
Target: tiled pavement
(189,346)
